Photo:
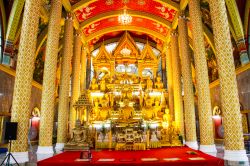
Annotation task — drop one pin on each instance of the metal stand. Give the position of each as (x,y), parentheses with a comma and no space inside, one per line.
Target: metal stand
(7,158)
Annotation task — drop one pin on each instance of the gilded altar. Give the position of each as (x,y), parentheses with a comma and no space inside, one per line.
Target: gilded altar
(128,110)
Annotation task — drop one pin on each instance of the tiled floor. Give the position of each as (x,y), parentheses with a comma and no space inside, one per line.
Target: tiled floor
(33,157)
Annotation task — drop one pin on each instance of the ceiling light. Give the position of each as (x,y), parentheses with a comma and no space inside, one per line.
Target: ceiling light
(124,18)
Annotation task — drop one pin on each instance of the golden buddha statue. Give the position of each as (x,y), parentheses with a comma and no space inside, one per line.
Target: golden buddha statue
(166,116)
(94,85)
(105,109)
(149,83)
(147,111)
(157,108)
(174,132)
(96,111)
(103,85)
(79,137)
(126,112)
(158,83)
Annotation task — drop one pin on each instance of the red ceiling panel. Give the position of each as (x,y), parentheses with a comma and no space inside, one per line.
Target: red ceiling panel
(136,21)
(102,6)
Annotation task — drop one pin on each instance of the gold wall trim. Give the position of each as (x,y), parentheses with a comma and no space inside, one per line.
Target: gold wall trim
(123,28)
(13,73)
(237,71)
(131,12)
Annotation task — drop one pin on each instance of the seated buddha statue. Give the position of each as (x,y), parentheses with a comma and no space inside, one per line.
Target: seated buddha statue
(93,85)
(79,135)
(158,83)
(153,137)
(166,117)
(157,108)
(105,109)
(96,111)
(103,85)
(174,132)
(147,111)
(126,112)
(149,84)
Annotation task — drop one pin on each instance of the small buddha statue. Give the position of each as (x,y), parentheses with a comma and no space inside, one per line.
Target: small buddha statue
(154,137)
(157,108)
(147,112)
(103,85)
(158,83)
(94,85)
(166,116)
(126,112)
(149,84)
(96,111)
(79,135)
(174,132)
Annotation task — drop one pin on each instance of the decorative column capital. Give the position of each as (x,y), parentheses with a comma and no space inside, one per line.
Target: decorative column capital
(174,32)
(69,16)
(182,15)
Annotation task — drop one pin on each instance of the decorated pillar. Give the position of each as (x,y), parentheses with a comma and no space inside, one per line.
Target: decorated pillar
(190,126)
(63,107)
(24,75)
(202,82)
(88,74)
(75,78)
(13,23)
(233,137)
(83,69)
(170,81)
(49,78)
(238,29)
(163,69)
(178,104)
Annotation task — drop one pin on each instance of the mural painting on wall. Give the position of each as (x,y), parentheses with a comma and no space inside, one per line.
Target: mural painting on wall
(206,17)
(211,64)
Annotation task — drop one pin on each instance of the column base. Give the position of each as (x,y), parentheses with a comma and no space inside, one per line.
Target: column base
(235,155)
(21,157)
(45,150)
(59,147)
(209,149)
(192,145)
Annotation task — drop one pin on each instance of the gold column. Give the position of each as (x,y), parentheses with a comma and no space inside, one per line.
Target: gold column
(202,85)
(63,107)
(24,76)
(178,104)
(233,138)
(49,77)
(170,81)
(75,78)
(190,126)
(83,69)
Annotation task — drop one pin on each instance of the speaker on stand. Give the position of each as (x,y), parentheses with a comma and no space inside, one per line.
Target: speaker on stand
(10,134)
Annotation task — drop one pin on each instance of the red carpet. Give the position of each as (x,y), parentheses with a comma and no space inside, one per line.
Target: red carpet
(134,158)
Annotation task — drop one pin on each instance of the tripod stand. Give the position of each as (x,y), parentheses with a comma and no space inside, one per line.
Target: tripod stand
(7,158)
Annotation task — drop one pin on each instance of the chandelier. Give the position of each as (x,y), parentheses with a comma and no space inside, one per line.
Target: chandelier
(124,18)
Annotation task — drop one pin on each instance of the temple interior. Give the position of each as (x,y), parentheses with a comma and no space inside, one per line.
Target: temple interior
(100,79)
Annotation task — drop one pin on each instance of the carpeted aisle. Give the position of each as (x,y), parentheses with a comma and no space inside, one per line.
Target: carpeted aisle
(165,156)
